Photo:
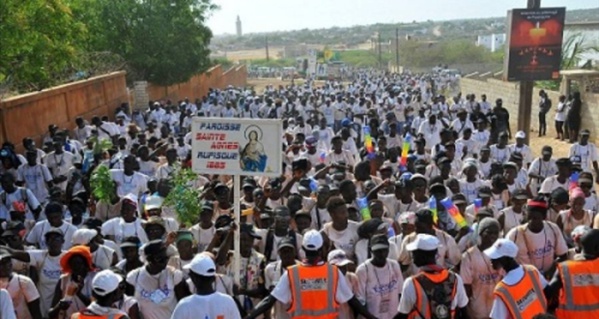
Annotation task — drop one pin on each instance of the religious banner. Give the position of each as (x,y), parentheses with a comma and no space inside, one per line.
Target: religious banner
(237,146)
(534,44)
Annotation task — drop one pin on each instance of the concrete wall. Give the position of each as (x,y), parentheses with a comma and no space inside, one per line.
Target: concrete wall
(509,93)
(30,114)
(198,85)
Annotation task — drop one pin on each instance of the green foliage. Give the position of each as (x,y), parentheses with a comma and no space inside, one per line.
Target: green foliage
(102,184)
(223,62)
(164,42)
(363,58)
(273,63)
(39,41)
(183,198)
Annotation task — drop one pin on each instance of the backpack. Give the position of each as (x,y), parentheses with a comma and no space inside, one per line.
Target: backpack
(439,296)
(24,197)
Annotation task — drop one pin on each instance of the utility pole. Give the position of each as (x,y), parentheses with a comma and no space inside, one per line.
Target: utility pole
(266,41)
(526,89)
(397,49)
(380,52)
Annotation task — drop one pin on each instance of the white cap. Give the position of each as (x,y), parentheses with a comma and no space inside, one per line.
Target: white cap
(338,257)
(520,134)
(153,202)
(424,242)
(105,282)
(502,248)
(131,197)
(202,265)
(83,236)
(312,240)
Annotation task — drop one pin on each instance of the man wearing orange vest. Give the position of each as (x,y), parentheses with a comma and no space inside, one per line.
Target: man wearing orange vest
(519,295)
(434,292)
(312,289)
(105,292)
(577,282)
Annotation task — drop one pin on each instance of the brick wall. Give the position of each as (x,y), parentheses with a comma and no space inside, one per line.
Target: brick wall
(509,92)
(29,115)
(198,85)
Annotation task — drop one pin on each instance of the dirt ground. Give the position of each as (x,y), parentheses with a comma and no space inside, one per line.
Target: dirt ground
(560,149)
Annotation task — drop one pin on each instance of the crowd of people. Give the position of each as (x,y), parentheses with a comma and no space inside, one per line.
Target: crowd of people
(429,212)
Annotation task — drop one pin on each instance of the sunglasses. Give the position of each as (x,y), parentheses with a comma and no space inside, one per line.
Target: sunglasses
(584,185)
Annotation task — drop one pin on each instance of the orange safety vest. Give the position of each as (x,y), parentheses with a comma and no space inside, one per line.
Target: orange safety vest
(424,285)
(313,291)
(579,297)
(86,314)
(525,299)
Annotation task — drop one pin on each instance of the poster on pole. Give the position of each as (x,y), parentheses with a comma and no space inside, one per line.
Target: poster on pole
(534,44)
(231,146)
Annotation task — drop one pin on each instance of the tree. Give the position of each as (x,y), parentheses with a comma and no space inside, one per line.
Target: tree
(163,41)
(39,43)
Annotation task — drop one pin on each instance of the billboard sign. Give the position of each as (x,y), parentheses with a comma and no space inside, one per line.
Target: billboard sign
(534,44)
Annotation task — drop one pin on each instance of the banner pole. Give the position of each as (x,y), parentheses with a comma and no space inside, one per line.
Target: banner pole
(237,210)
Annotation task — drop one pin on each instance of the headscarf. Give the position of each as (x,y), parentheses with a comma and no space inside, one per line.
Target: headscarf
(80,250)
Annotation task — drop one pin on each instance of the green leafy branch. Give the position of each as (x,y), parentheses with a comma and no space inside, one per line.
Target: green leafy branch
(183,197)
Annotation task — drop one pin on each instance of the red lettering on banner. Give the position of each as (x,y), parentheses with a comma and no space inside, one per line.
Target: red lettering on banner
(215,165)
(210,136)
(224,146)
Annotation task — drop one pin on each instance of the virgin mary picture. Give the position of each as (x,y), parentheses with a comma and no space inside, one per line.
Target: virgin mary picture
(252,155)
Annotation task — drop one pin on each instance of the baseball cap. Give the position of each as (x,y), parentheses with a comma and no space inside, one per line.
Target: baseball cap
(13,228)
(378,242)
(502,248)
(105,282)
(83,236)
(547,150)
(520,134)
(519,194)
(585,132)
(407,218)
(424,242)
(484,192)
(312,240)
(154,202)
(55,231)
(459,198)
(285,242)
(202,265)
(338,257)
(130,242)
(417,176)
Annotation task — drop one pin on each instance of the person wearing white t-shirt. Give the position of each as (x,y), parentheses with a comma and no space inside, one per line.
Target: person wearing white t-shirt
(561,180)
(54,219)
(59,163)
(274,270)
(119,228)
(22,290)
(424,251)
(587,152)
(13,196)
(520,147)
(129,181)
(206,302)
(288,286)
(36,177)
(540,242)
(7,311)
(431,130)
(541,168)
(503,256)
(380,280)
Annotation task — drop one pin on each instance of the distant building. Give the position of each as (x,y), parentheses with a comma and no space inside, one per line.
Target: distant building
(238,26)
(492,42)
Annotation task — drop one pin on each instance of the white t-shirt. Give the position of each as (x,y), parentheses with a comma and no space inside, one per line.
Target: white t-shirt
(379,288)
(135,184)
(120,229)
(60,165)
(17,196)
(49,274)
(35,179)
(551,183)
(6,308)
(538,249)
(202,236)
(155,293)
(345,240)
(282,291)
(476,270)
(22,290)
(524,150)
(408,296)
(147,168)
(499,310)
(431,133)
(588,155)
(216,305)
(36,235)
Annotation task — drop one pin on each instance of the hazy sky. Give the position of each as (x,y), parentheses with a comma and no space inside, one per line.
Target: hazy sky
(273,15)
